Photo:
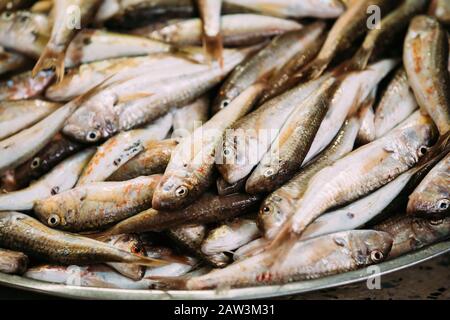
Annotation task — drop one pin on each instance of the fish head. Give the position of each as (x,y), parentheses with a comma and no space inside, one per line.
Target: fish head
(369,246)
(223,99)
(174,191)
(417,134)
(237,157)
(431,230)
(94,121)
(421,25)
(58,211)
(24,23)
(426,205)
(273,213)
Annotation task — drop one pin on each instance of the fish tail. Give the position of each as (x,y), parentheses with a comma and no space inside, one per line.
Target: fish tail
(360,60)
(214,48)
(51,59)
(313,70)
(145,261)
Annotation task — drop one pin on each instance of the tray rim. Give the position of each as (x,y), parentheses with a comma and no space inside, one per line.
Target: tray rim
(65,291)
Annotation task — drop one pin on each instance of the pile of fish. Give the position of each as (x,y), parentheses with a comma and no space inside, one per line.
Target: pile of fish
(220,143)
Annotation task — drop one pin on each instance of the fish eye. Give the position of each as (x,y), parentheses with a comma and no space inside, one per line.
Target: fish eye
(225,103)
(376,256)
(267,209)
(92,136)
(181,191)
(269,172)
(53,220)
(35,163)
(423,151)
(227,152)
(443,204)
(7,15)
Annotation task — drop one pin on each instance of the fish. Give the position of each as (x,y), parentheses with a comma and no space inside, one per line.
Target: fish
(18,115)
(152,160)
(285,78)
(397,103)
(267,62)
(257,29)
(108,112)
(130,243)
(57,150)
(191,167)
(68,17)
(224,188)
(208,209)
(97,205)
(91,45)
(190,237)
(327,9)
(190,117)
(413,233)
(361,172)
(115,152)
(379,204)
(24,32)
(63,177)
(210,11)
(441,10)
(281,204)
(23,86)
(22,233)
(22,146)
(388,30)
(11,61)
(431,198)
(230,236)
(355,88)
(366,115)
(102,276)
(79,80)
(360,212)
(249,139)
(310,259)
(351,25)
(12,262)
(425,57)
(134,13)
(287,152)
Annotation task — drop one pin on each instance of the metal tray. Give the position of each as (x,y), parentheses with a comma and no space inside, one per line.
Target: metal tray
(244,293)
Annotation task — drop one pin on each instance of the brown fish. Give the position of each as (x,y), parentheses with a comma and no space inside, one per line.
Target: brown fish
(425,56)
(23,233)
(208,209)
(411,233)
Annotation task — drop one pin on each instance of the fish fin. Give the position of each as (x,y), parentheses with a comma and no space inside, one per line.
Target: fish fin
(134,96)
(51,59)
(192,54)
(169,282)
(214,48)
(281,246)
